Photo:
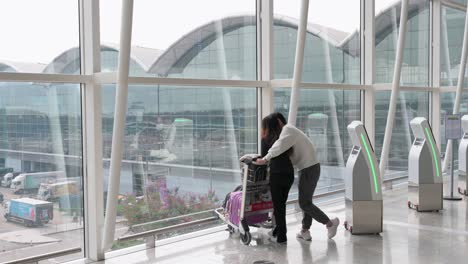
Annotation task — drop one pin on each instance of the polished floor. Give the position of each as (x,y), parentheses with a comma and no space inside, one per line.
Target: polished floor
(408,237)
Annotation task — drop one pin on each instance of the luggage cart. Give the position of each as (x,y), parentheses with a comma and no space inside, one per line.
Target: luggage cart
(255,204)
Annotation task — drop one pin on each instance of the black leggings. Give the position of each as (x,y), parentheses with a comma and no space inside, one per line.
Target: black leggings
(280,185)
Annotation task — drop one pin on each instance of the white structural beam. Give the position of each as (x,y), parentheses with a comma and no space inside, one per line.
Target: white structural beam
(265,93)
(395,88)
(111,78)
(119,123)
(368,66)
(45,77)
(265,54)
(92,129)
(435,60)
(439,45)
(298,62)
(454,5)
(460,84)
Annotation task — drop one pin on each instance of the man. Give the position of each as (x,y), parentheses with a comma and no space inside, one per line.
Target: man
(304,158)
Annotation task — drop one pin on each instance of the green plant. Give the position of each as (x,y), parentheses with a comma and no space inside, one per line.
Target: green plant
(160,205)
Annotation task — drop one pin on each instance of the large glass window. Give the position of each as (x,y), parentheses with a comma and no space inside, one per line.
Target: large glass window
(181,150)
(42,175)
(409,106)
(446,105)
(451,41)
(415,67)
(332,49)
(458,1)
(218,41)
(323,116)
(38,36)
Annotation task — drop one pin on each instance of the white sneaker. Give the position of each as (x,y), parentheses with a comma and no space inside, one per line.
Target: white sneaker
(304,235)
(332,229)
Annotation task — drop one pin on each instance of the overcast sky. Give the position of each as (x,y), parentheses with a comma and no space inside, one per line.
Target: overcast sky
(39,30)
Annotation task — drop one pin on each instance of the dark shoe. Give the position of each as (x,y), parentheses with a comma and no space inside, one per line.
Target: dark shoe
(280,241)
(273,232)
(281,238)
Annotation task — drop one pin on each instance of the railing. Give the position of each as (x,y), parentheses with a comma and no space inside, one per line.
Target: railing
(36,259)
(150,236)
(170,219)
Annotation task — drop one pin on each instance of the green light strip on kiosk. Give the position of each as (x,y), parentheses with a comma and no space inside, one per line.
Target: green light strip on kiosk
(371,163)
(433,152)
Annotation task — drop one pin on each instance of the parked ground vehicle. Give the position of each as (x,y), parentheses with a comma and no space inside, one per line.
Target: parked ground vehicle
(4,172)
(29,212)
(53,191)
(30,182)
(8,178)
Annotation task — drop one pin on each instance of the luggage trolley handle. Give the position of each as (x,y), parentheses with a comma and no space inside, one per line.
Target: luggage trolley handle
(244,185)
(248,160)
(255,177)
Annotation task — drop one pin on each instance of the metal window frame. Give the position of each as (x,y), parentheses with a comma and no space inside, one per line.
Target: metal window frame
(91,102)
(368,67)
(434,68)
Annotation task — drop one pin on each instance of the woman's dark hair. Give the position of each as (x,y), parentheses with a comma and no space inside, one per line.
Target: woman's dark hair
(280,117)
(271,130)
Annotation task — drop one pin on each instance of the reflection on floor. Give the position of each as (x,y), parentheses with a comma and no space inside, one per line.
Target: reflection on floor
(409,237)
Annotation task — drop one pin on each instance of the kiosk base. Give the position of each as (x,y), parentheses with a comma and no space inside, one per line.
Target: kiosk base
(425,197)
(364,217)
(462,177)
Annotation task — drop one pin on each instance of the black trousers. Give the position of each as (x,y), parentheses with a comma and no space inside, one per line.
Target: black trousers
(308,179)
(280,185)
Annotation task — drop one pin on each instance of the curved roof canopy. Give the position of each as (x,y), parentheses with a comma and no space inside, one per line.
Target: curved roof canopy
(187,47)
(12,66)
(142,56)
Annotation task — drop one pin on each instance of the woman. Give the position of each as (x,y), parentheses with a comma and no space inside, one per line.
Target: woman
(281,173)
(304,158)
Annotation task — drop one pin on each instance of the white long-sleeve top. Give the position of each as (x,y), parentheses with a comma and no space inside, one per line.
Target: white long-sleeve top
(303,150)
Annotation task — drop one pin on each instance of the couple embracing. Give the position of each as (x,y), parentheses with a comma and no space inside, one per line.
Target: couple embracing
(285,147)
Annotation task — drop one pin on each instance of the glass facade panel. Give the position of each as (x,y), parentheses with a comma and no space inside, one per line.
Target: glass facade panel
(41,174)
(452,29)
(36,38)
(181,149)
(415,68)
(446,106)
(332,49)
(409,106)
(458,1)
(218,41)
(324,115)
(182,144)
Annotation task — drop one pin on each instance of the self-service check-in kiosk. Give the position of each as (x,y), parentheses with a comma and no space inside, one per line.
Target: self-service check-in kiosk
(363,192)
(425,187)
(463,156)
